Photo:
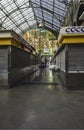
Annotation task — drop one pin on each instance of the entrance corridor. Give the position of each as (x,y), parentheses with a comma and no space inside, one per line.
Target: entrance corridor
(41,102)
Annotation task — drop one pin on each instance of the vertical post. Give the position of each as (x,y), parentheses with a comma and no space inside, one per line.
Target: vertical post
(66,64)
(71,13)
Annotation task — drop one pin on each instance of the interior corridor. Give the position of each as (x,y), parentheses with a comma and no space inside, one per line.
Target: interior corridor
(42,103)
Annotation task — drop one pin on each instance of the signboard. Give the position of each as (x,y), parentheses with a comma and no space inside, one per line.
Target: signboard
(46,50)
(73,29)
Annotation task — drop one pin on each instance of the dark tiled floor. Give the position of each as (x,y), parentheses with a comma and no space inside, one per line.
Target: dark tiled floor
(41,106)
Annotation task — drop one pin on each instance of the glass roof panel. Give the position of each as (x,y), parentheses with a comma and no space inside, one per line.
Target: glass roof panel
(32,22)
(50,12)
(15,15)
(21,15)
(2,14)
(48,4)
(18,30)
(24,25)
(50,27)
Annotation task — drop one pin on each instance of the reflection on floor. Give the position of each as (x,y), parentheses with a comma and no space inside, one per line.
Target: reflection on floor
(41,103)
(43,76)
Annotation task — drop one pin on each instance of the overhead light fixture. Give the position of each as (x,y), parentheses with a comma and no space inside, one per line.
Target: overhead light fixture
(41,24)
